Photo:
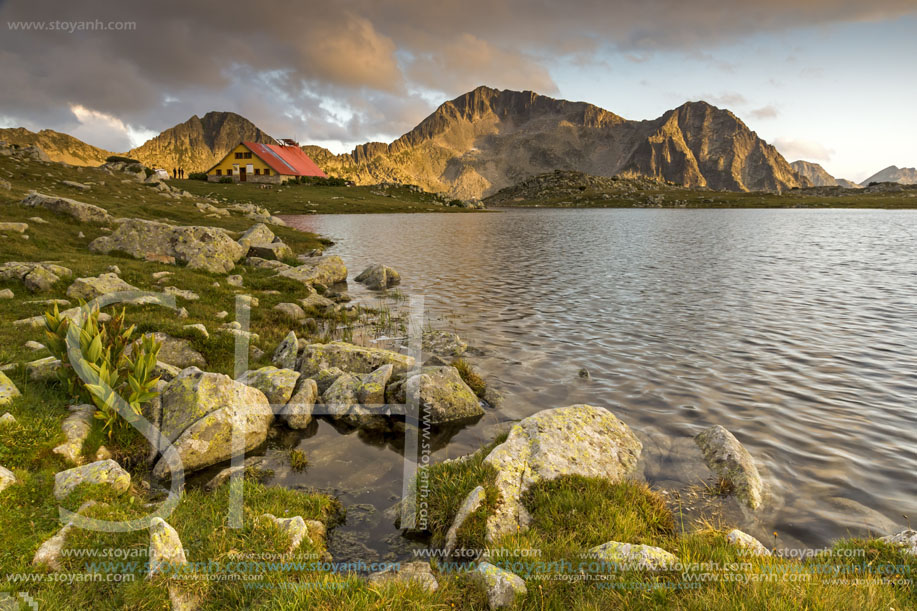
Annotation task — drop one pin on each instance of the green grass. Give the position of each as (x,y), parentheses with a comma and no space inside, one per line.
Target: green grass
(474,381)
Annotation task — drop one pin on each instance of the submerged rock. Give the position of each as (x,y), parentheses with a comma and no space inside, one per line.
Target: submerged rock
(84,213)
(729,459)
(378,277)
(501,586)
(575,440)
(102,472)
(206,248)
(342,402)
(444,343)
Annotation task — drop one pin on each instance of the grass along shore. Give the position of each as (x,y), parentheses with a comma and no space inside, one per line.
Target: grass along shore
(570,514)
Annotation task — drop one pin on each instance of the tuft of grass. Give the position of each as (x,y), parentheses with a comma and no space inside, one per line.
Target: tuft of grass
(298,460)
(474,381)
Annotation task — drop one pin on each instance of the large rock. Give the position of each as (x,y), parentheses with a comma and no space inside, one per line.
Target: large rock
(76,428)
(207,248)
(276,251)
(326,377)
(351,358)
(629,556)
(166,554)
(102,472)
(287,351)
(256,235)
(298,411)
(84,213)
(729,459)
(342,402)
(405,573)
(36,276)
(276,384)
(444,396)
(501,586)
(372,388)
(89,288)
(575,440)
(201,410)
(379,277)
(324,270)
(8,390)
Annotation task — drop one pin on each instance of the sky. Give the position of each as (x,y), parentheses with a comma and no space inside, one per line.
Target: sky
(828,81)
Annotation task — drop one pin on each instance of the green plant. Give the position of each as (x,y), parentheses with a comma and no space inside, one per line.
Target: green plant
(121,158)
(148,172)
(226,180)
(104,372)
(474,381)
(197,176)
(298,460)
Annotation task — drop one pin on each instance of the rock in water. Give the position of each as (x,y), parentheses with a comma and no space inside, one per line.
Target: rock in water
(379,277)
(444,396)
(206,248)
(729,459)
(298,410)
(502,587)
(200,412)
(84,213)
(575,440)
(166,553)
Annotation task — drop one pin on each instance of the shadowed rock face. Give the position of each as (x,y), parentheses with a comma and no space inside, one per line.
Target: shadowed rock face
(488,139)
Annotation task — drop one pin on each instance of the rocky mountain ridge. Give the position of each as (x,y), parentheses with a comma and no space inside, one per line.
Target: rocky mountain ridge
(904,176)
(819,177)
(58,146)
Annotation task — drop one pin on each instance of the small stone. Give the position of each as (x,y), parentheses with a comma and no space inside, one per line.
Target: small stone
(166,553)
(6,294)
(295,528)
(103,453)
(286,352)
(14,227)
(502,587)
(234,280)
(7,478)
(184,294)
(8,390)
(43,369)
(33,345)
(645,557)
(298,410)
(76,428)
(290,310)
(906,539)
(221,315)
(471,503)
(200,328)
(728,458)
(160,275)
(114,269)
(7,419)
(418,572)
(747,542)
(101,472)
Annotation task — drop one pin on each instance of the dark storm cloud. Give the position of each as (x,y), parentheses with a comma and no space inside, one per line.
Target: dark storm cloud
(344,70)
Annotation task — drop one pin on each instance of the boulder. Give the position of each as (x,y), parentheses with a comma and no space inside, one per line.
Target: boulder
(575,440)
(747,542)
(207,248)
(178,352)
(341,402)
(286,352)
(276,384)
(323,270)
(201,410)
(8,390)
(729,459)
(501,586)
(351,358)
(378,277)
(7,478)
(166,554)
(444,343)
(444,396)
(101,472)
(76,428)
(404,573)
(628,556)
(84,213)
(43,369)
(298,411)
(256,235)
(372,388)
(290,310)
(471,503)
(326,377)
(89,288)
(316,302)
(294,528)
(275,251)
(36,276)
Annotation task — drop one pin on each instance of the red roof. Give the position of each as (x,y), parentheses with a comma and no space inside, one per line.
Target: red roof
(287,160)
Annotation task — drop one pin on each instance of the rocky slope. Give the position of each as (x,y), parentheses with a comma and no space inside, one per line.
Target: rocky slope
(57,146)
(489,139)
(905,176)
(199,142)
(819,177)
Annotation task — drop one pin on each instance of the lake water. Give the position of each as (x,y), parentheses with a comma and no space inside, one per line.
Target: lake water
(794,329)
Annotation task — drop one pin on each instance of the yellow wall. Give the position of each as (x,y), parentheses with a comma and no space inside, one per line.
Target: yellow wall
(227,163)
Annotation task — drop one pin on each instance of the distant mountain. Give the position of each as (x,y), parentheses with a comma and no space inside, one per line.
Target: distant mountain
(906,176)
(489,139)
(819,177)
(59,147)
(198,143)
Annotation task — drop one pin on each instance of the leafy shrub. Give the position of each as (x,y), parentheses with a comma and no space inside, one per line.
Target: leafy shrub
(226,180)
(104,362)
(197,176)
(321,181)
(121,158)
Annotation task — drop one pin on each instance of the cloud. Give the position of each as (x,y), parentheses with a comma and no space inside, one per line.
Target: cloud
(803,149)
(275,61)
(765,112)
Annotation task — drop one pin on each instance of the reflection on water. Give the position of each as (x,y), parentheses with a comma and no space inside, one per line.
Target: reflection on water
(794,329)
